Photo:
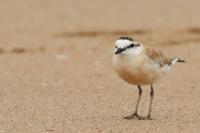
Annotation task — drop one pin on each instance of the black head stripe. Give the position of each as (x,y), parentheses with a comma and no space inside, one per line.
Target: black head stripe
(126,38)
(132,45)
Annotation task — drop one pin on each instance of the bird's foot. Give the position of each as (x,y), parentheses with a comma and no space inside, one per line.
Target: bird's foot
(132,116)
(148,117)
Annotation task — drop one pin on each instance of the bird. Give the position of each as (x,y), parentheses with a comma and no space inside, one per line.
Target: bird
(139,65)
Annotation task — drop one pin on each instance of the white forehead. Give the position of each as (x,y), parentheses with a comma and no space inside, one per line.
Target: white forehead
(122,43)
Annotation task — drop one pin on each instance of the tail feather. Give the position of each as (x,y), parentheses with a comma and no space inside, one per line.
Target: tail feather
(174,60)
(181,61)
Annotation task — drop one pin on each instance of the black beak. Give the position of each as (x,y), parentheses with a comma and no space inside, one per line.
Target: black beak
(119,50)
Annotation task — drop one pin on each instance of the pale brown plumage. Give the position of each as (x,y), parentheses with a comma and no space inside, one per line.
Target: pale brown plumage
(157,56)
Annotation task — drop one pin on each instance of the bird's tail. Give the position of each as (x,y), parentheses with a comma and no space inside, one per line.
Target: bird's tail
(179,60)
(174,61)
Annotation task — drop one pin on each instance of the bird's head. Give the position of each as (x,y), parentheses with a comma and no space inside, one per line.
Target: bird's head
(126,45)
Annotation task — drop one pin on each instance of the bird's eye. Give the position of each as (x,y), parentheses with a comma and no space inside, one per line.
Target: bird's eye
(131,46)
(116,47)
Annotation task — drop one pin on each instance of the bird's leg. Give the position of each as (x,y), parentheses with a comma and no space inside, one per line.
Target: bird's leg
(135,114)
(151,100)
(148,117)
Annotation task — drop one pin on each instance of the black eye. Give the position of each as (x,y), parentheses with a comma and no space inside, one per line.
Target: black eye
(116,47)
(131,46)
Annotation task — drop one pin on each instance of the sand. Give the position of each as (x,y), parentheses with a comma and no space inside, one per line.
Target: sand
(56,66)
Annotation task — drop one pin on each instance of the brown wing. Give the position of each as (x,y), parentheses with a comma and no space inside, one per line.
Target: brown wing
(158,57)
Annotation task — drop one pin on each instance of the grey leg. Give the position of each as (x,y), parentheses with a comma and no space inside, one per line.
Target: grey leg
(148,117)
(150,103)
(135,114)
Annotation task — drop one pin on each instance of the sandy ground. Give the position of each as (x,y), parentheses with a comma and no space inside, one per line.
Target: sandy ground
(56,66)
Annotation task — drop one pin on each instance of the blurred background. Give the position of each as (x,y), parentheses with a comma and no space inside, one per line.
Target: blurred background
(32,20)
(56,65)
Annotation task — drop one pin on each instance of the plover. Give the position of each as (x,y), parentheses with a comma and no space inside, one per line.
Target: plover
(139,66)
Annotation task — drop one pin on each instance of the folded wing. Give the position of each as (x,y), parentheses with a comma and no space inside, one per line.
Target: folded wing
(158,57)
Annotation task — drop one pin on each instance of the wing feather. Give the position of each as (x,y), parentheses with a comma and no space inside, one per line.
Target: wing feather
(158,57)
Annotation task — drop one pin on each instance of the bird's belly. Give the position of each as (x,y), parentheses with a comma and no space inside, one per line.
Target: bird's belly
(138,75)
